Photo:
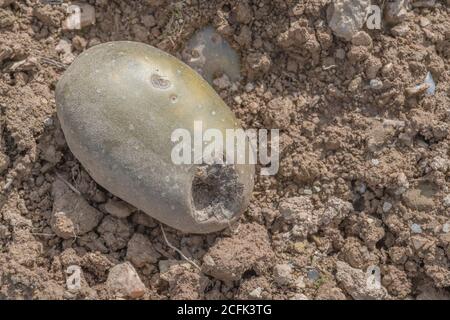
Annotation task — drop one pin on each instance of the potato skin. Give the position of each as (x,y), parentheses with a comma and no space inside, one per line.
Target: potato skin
(118,104)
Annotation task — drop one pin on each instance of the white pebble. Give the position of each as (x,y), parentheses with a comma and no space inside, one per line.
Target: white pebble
(256,294)
(447,201)
(282,274)
(416,228)
(238,99)
(446,227)
(387,206)
(376,84)
(249,87)
(362,188)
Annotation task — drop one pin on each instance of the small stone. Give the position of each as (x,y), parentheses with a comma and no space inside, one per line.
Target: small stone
(313,274)
(386,70)
(182,279)
(354,85)
(96,263)
(375,162)
(118,208)
(447,201)
(99,196)
(229,258)
(81,17)
(416,228)
(446,227)
(258,64)
(424,22)
(282,274)
(243,12)
(395,11)
(249,87)
(7,18)
(376,84)
(402,183)
(417,199)
(5,53)
(64,48)
(4,162)
(143,219)
(148,21)
(237,99)
(4,232)
(439,164)
(72,215)
(256,294)
(299,211)
(93,42)
(48,122)
(278,111)
(400,30)
(346,17)
(418,242)
(223,82)
(115,232)
(340,54)
(124,281)
(362,188)
(361,38)
(373,65)
(300,283)
(429,81)
(141,251)
(140,32)
(47,16)
(40,180)
(79,43)
(387,206)
(354,281)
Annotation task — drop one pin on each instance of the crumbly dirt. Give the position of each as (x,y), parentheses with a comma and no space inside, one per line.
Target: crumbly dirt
(364,179)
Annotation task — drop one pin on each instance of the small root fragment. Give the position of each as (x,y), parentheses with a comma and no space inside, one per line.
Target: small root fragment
(178,250)
(68,184)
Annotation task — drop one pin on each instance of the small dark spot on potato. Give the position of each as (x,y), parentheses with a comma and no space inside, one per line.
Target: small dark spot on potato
(159,82)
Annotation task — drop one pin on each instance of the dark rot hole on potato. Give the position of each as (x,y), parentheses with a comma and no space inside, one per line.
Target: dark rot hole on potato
(216,192)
